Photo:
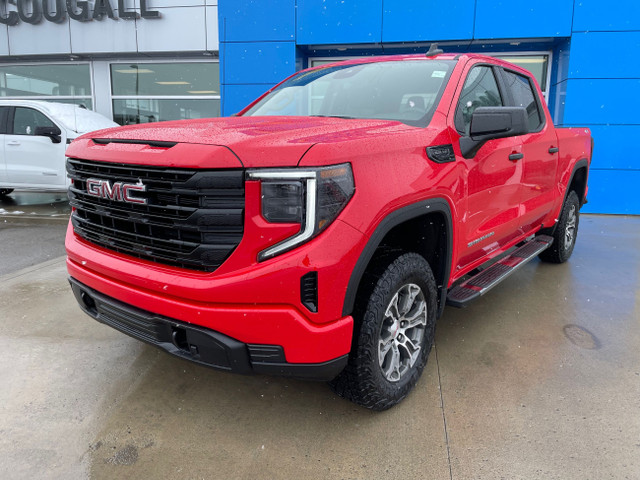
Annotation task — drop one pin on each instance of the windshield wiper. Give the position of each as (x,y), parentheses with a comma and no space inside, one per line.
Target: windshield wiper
(333,116)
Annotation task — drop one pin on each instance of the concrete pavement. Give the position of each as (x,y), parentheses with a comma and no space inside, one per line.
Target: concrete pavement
(538,379)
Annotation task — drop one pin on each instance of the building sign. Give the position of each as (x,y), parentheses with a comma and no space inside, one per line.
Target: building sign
(13,12)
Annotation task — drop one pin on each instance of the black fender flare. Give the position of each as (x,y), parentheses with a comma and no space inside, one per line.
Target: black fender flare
(582,163)
(393,219)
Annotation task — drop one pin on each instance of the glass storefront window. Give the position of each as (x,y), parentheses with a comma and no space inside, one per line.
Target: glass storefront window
(45,80)
(153,92)
(536,64)
(65,83)
(165,79)
(134,111)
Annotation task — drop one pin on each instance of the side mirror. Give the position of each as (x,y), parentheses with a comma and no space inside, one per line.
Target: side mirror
(488,123)
(53,133)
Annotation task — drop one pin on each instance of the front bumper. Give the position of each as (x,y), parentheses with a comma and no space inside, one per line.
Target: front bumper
(198,344)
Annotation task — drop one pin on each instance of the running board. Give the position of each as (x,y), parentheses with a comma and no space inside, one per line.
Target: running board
(488,278)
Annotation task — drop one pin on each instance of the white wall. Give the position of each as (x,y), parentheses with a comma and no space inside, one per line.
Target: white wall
(183,26)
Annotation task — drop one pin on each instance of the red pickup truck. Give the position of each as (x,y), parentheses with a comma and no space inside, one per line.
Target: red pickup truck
(320,232)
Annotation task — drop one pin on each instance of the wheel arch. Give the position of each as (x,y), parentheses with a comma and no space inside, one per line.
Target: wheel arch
(394,223)
(578,181)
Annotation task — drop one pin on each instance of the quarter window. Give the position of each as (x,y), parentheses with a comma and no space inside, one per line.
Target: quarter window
(523,96)
(26,120)
(480,90)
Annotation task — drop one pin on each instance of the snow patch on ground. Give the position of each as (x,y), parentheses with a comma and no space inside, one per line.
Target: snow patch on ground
(4,212)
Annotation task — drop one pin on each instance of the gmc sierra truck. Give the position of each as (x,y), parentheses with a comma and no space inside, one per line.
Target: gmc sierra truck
(320,232)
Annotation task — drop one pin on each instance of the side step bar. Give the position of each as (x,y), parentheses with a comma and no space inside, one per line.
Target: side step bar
(488,278)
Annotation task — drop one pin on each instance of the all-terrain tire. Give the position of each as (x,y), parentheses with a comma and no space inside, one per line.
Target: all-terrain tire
(408,281)
(566,232)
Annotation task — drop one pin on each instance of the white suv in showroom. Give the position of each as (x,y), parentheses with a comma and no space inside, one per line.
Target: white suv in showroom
(33,138)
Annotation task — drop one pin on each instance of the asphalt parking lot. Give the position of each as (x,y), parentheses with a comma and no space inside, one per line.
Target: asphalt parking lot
(538,379)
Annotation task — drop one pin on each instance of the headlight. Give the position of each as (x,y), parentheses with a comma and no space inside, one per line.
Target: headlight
(311,197)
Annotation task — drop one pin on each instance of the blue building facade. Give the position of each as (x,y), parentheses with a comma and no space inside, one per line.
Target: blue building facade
(584,50)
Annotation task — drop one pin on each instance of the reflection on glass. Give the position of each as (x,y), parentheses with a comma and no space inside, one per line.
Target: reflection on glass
(45,80)
(536,64)
(165,79)
(134,111)
(405,91)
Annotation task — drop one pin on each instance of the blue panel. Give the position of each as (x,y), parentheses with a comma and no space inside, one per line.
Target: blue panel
(611,148)
(616,47)
(602,102)
(236,97)
(523,19)
(594,15)
(415,20)
(267,63)
(251,20)
(339,21)
(613,191)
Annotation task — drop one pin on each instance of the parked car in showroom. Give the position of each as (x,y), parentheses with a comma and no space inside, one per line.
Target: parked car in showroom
(34,137)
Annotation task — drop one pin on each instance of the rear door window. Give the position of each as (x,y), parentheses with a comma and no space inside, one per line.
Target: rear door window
(523,96)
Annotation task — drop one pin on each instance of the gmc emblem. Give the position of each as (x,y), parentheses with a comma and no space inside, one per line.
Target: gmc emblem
(119,191)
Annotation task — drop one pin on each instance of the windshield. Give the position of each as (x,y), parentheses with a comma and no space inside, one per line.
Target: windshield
(407,91)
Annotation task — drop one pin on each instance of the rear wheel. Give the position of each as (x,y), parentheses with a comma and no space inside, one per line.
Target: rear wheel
(5,191)
(394,332)
(564,237)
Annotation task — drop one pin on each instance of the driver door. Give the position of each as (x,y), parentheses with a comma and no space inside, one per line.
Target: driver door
(493,180)
(33,161)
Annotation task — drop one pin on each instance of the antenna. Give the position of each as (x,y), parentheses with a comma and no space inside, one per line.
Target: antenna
(434,50)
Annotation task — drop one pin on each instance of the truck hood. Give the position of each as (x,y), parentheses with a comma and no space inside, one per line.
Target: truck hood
(257,141)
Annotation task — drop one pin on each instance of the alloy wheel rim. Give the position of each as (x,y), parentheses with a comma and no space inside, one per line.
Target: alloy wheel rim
(402,332)
(570,228)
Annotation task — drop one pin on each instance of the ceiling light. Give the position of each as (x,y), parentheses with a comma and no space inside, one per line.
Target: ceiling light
(173,83)
(135,70)
(202,92)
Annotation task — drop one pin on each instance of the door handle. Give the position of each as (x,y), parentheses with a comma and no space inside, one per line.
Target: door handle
(516,156)
(553,150)
(13,143)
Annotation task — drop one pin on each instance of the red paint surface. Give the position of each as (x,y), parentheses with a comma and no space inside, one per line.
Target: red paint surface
(260,302)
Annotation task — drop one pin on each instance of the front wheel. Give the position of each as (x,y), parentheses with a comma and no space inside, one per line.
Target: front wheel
(393,335)
(564,237)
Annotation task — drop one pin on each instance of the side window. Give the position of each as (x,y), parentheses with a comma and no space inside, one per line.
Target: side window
(4,115)
(26,120)
(523,96)
(480,90)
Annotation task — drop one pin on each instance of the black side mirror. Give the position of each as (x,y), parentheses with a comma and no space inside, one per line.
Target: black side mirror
(488,123)
(53,133)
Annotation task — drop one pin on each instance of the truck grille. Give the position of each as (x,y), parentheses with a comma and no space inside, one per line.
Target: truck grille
(192,218)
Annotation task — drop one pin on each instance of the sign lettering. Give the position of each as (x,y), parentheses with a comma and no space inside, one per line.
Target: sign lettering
(12,12)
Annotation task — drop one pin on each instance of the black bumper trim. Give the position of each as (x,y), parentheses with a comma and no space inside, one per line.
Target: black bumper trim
(198,344)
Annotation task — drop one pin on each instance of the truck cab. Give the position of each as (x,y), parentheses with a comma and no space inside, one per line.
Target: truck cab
(34,136)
